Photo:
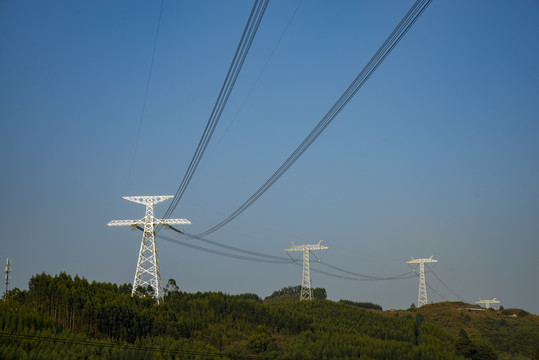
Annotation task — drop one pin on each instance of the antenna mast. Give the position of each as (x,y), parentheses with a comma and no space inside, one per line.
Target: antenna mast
(148,271)
(8,273)
(422,296)
(306,288)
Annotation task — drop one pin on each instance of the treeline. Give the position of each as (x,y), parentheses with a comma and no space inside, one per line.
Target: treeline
(292,293)
(364,305)
(65,317)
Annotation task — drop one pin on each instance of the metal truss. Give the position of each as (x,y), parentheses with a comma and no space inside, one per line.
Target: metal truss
(487,302)
(422,298)
(306,288)
(148,272)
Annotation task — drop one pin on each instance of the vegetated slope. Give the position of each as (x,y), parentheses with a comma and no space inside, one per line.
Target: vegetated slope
(513,333)
(65,317)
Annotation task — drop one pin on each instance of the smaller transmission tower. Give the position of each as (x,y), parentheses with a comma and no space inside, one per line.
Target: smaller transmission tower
(148,271)
(422,296)
(306,288)
(487,302)
(8,273)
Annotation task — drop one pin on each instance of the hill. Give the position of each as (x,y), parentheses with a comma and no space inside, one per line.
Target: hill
(65,317)
(513,333)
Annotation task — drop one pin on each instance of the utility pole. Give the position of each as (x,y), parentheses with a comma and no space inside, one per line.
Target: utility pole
(8,274)
(306,288)
(422,296)
(148,271)
(487,302)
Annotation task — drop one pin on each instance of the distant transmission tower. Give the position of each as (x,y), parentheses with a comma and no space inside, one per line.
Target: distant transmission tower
(306,289)
(422,296)
(148,271)
(8,273)
(487,302)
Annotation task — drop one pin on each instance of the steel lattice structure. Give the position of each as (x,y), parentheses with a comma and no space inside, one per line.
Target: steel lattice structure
(148,272)
(306,288)
(487,302)
(422,298)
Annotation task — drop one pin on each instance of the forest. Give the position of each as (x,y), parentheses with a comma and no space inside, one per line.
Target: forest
(71,318)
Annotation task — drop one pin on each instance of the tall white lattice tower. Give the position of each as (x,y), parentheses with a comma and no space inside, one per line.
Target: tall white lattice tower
(422,298)
(306,288)
(487,302)
(148,271)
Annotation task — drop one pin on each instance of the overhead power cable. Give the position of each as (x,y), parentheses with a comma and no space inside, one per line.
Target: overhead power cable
(146,92)
(217,252)
(402,28)
(436,292)
(101,344)
(430,287)
(444,284)
(267,258)
(361,279)
(401,276)
(257,13)
(265,65)
(229,247)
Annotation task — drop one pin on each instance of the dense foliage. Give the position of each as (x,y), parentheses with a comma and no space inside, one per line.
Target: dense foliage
(65,317)
(364,305)
(292,293)
(510,333)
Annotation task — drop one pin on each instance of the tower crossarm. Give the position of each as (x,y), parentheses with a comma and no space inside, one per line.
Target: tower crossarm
(154,222)
(318,246)
(172,222)
(148,200)
(419,261)
(126,222)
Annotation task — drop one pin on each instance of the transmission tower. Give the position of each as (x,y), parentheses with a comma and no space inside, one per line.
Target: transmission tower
(148,271)
(487,302)
(8,273)
(422,296)
(306,289)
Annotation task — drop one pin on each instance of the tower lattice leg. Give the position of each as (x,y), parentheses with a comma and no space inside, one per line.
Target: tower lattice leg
(148,271)
(422,296)
(306,290)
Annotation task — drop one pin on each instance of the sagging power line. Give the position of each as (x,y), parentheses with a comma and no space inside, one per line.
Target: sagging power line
(257,13)
(267,258)
(402,28)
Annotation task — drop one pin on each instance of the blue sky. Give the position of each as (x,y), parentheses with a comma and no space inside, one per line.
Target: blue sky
(438,154)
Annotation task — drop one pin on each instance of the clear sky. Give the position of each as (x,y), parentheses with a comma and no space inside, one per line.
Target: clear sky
(438,154)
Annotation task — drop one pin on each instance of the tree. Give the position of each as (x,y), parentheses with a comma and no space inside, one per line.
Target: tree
(171,287)
(320,294)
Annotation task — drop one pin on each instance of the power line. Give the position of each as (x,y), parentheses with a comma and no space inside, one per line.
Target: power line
(267,258)
(402,28)
(217,252)
(146,92)
(266,64)
(400,276)
(229,247)
(447,287)
(242,50)
(125,346)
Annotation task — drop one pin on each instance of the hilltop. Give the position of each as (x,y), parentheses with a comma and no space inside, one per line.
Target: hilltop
(513,333)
